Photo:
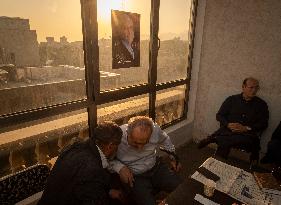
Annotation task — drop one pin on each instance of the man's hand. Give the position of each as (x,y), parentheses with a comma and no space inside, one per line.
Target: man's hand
(237,127)
(175,166)
(116,194)
(126,176)
(163,202)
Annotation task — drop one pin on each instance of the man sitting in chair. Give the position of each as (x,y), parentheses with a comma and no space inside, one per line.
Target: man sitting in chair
(137,164)
(242,119)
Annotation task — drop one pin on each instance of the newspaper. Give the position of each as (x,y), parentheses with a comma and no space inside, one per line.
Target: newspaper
(237,183)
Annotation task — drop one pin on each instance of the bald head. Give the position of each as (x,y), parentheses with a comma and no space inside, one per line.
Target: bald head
(139,131)
(250,88)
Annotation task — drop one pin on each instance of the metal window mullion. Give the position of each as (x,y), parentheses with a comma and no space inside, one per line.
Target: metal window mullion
(39,113)
(122,93)
(90,45)
(193,13)
(171,84)
(153,53)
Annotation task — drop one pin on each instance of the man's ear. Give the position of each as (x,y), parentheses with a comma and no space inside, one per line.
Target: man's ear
(111,146)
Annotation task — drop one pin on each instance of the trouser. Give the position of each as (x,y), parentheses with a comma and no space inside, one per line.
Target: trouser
(148,184)
(248,142)
(159,178)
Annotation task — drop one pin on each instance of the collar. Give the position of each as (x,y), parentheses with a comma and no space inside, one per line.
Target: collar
(247,101)
(104,160)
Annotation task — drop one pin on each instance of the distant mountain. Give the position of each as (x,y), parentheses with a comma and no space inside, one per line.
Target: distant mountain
(168,36)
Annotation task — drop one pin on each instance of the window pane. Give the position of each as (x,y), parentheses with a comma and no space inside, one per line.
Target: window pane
(113,78)
(39,141)
(170,104)
(173,33)
(121,111)
(41,54)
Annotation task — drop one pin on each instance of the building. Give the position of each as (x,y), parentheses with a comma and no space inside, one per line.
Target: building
(19,42)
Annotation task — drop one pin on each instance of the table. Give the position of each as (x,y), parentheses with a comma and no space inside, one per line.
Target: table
(185,193)
(235,185)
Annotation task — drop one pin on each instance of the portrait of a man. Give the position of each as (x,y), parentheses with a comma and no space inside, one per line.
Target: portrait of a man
(125,39)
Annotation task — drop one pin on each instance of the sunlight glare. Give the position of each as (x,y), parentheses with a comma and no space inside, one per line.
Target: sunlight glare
(105,6)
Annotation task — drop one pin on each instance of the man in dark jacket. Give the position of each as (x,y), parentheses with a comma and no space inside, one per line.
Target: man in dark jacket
(79,175)
(273,154)
(242,118)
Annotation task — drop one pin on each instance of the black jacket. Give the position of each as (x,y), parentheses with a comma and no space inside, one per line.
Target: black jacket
(253,113)
(121,57)
(277,133)
(77,178)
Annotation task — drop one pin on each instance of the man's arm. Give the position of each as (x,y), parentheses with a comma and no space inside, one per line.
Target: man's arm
(124,172)
(166,144)
(223,112)
(164,139)
(261,121)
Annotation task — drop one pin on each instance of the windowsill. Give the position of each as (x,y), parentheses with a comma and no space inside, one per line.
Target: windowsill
(179,125)
(75,123)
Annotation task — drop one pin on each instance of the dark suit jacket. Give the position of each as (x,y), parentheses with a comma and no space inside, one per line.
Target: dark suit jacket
(277,133)
(253,113)
(121,57)
(77,178)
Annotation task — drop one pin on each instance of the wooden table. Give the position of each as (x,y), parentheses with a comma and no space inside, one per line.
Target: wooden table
(185,193)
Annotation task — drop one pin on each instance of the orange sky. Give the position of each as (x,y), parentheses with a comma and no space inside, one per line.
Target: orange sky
(62,17)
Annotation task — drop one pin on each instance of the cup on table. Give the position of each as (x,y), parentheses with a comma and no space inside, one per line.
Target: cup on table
(209,188)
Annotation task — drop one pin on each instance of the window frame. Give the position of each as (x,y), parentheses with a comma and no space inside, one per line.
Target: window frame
(92,76)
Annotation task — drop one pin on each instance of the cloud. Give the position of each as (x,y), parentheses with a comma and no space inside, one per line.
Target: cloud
(52,6)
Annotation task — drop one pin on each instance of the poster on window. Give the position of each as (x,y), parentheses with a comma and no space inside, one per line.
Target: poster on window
(125,39)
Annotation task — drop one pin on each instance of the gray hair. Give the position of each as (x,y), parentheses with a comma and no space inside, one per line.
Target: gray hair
(139,121)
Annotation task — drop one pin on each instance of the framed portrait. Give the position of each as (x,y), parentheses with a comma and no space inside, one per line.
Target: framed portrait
(125,39)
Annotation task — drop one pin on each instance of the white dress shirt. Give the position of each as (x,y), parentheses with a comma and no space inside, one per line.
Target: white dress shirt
(140,161)
(104,160)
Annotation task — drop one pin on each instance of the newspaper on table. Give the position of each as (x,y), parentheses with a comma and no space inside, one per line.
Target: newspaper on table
(237,183)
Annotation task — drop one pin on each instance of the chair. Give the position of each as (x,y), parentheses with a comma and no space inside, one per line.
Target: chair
(252,149)
(20,185)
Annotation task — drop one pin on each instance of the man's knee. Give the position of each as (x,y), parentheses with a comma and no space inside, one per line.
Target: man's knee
(173,183)
(166,179)
(142,195)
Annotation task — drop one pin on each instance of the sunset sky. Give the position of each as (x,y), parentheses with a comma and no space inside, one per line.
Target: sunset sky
(62,17)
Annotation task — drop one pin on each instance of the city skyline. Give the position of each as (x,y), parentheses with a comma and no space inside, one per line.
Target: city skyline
(56,18)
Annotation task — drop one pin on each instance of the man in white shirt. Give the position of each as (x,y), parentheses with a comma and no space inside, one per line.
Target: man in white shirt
(136,160)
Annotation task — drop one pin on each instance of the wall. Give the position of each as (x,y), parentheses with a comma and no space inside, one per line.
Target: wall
(241,38)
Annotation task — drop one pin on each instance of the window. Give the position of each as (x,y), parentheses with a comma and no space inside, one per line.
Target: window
(55,83)
(170,104)
(122,77)
(42,81)
(173,52)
